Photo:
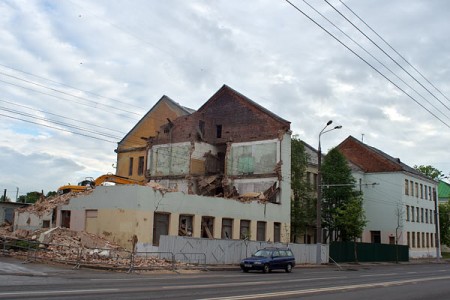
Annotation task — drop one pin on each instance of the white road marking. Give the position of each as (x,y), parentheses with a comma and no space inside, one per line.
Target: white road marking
(56,292)
(382,274)
(328,289)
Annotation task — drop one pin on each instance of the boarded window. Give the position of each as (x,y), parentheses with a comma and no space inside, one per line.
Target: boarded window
(91,221)
(261,231)
(141,166)
(130,167)
(227,228)
(207,227)
(160,226)
(277,232)
(185,225)
(392,240)
(244,231)
(65,218)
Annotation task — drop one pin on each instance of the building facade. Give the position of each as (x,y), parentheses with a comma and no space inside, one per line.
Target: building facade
(400,203)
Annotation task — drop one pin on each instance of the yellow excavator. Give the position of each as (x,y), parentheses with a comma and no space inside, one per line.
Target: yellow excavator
(91,183)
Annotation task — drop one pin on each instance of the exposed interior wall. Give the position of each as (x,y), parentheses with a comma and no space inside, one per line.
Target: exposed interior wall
(169,159)
(29,221)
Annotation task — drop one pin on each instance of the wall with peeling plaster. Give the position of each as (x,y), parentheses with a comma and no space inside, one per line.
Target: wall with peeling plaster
(127,210)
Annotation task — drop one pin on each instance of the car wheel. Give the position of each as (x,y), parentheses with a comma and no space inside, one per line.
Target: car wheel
(266,268)
(288,268)
(245,270)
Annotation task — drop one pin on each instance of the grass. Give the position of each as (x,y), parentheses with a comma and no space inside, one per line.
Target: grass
(445,254)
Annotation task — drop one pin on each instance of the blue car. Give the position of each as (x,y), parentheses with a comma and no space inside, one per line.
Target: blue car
(269,259)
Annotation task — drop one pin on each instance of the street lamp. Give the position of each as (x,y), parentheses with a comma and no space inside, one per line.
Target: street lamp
(319,195)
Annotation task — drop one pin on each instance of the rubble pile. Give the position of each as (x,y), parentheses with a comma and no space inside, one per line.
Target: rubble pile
(46,205)
(159,187)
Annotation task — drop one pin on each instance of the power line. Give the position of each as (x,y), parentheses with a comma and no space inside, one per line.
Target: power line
(67,94)
(356,27)
(69,86)
(404,59)
(380,62)
(364,60)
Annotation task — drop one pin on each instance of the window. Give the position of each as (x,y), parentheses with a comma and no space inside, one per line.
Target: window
(185,225)
(413,242)
(160,226)
(411,188)
(408,239)
(261,231)
(207,227)
(434,195)
(391,240)
(426,215)
(426,193)
(244,231)
(308,178)
(141,166)
(421,215)
(406,187)
(431,240)
(227,228)
(65,218)
(413,219)
(429,193)
(218,131)
(428,240)
(423,239)
(417,215)
(407,212)
(431,216)
(276,232)
(130,167)
(418,240)
(315,181)
(416,189)
(201,127)
(375,237)
(421,191)
(46,224)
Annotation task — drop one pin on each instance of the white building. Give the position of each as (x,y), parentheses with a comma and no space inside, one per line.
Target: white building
(400,202)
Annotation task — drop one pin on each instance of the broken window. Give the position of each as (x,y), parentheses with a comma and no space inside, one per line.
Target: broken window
(141,166)
(227,228)
(185,225)
(130,167)
(201,130)
(207,227)
(375,237)
(244,231)
(261,231)
(277,232)
(46,224)
(65,218)
(160,226)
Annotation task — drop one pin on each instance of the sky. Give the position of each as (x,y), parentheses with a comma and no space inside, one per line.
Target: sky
(76,76)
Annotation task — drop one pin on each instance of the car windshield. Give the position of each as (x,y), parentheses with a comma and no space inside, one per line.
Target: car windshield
(263,253)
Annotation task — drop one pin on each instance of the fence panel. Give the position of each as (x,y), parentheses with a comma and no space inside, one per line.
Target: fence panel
(368,252)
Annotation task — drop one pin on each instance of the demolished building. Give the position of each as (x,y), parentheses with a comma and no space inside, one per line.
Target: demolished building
(221,172)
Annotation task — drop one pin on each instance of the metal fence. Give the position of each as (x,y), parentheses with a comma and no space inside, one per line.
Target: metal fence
(368,252)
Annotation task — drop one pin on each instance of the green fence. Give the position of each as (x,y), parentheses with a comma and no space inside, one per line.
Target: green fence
(368,252)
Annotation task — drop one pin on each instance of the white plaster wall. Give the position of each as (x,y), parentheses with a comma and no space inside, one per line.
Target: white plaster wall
(28,221)
(201,148)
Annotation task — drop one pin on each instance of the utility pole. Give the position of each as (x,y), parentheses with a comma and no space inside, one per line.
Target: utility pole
(17,193)
(436,223)
(4,195)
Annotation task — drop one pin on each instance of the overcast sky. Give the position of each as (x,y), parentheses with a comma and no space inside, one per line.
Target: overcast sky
(101,65)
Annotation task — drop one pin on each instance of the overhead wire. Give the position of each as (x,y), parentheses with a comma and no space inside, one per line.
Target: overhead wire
(392,48)
(371,55)
(365,61)
(387,54)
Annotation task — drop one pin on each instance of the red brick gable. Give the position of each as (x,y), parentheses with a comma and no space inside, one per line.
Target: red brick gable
(366,157)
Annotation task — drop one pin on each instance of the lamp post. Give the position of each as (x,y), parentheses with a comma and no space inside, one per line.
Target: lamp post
(319,195)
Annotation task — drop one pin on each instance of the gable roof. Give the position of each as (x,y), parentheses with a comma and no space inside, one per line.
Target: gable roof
(164,98)
(226,89)
(373,160)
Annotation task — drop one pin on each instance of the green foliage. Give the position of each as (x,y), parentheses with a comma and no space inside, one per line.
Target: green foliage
(342,211)
(302,204)
(30,197)
(51,194)
(430,171)
(444,222)
(2,199)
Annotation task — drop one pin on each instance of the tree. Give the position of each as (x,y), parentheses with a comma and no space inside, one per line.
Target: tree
(351,216)
(30,197)
(339,195)
(2,199)
(430,171)
(302,203)
(444,222)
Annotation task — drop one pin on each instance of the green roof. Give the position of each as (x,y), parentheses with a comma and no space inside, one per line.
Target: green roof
(443,189)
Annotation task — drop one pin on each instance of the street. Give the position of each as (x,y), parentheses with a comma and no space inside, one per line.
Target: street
(404,281)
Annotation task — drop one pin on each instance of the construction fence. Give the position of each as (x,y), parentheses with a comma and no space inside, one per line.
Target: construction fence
(368,252)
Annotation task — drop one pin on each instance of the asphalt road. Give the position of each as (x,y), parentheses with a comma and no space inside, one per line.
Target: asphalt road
(405,281)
